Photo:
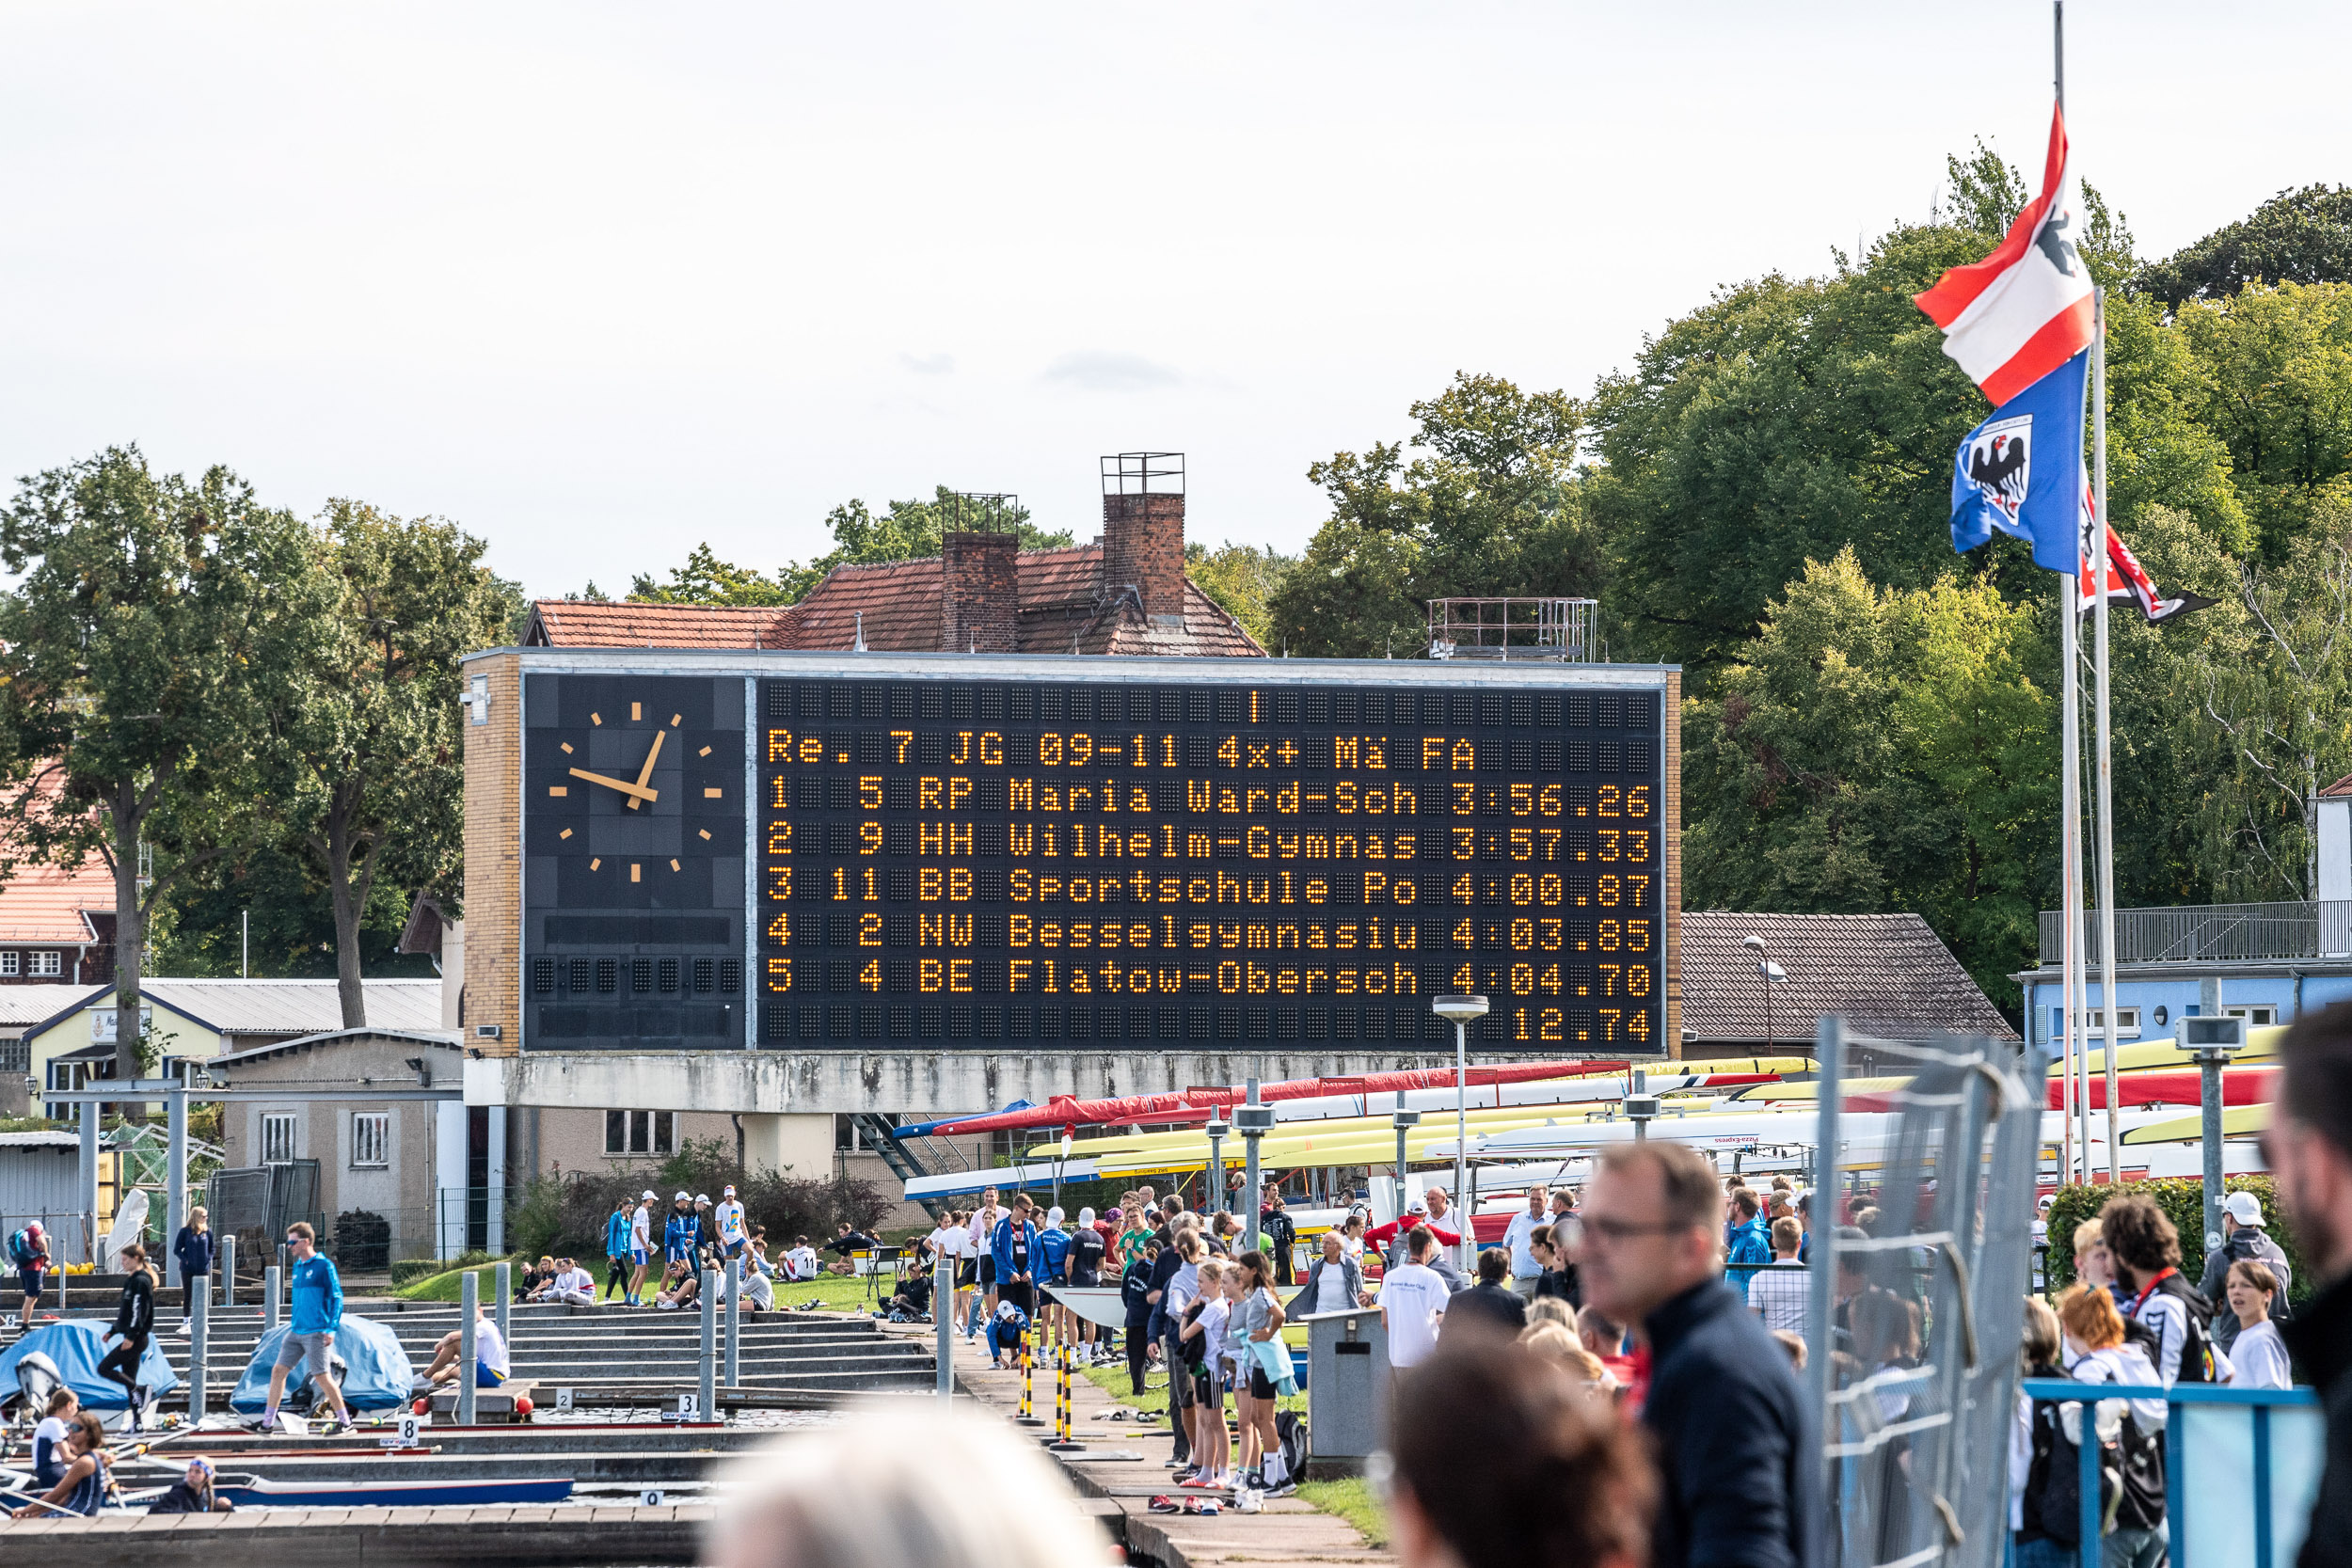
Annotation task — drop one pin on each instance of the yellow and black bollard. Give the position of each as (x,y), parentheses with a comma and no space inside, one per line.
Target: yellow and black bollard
(1028,1403)
(1061,1395)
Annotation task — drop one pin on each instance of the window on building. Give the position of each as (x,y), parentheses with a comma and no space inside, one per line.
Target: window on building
(15,1056)
(277,1137)
(628,1132)
(2256,1018)
(369,1145)
(2126,1023)
(11,963)
(49,961)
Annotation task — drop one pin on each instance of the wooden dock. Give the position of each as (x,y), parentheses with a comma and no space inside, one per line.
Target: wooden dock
(544,1537)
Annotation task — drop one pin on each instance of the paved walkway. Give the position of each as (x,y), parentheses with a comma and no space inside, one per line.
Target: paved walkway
(1288,1531)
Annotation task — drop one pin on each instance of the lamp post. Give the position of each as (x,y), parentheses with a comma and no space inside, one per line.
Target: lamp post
(1772,974)
(1459,1011)
(1217,1130)
(1404,1121)
(2211,1042)
(1255,1120)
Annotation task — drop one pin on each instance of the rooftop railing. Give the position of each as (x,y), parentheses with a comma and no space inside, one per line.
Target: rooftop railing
(2214,933)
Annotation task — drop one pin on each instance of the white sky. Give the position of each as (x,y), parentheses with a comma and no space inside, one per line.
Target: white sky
(600,281)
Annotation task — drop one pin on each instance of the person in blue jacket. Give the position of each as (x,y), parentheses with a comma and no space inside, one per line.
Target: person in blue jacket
(1018,1256)
(1750,1242)
(619,1253)
(681,1231)
(318,1312)
(1004,1331)
(193,1247)
(1053,1244)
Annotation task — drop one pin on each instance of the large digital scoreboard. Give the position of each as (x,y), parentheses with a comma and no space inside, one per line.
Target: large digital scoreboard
(1114,861)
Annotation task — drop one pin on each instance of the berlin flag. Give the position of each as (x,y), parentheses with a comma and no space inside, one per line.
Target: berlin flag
(2026,309)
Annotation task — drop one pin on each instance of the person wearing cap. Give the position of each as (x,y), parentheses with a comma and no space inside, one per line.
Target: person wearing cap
(733,1239)
(705,1232)
(2242,1214)
(640,1246)
(29,1249)
(192,1494)
(680,1231)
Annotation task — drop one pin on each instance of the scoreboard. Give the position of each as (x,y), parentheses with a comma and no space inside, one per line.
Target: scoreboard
(1118,861)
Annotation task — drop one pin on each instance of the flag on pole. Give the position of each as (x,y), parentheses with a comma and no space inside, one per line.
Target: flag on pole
(2016,316)
(2128,583)
(2020,472)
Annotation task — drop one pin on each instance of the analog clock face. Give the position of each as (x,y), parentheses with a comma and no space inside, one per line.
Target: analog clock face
(634,831)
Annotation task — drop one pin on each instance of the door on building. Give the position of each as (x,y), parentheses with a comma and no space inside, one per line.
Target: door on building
(477,1177)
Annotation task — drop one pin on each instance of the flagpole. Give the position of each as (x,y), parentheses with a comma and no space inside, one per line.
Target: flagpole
(2106,770)
(2077,1057)
(2069,941)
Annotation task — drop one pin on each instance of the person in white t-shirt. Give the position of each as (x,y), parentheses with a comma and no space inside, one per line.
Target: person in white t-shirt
(800,1261)
(1412,1302)
(1519,1236)
(640,1246)
(573,1283)
(2258,1357)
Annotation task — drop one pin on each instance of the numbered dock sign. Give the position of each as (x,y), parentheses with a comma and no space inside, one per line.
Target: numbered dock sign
(688,1406)
(409,1423)
(562,1399)
(650,1497)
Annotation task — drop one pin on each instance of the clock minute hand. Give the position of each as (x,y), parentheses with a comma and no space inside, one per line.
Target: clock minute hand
(647,772)
(638,792)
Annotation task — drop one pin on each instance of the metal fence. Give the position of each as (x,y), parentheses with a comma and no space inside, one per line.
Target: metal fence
(2193,933)
(2257,1454)
(1918,1393)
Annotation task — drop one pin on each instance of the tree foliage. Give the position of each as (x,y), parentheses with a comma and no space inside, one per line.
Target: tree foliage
(2296,237)
(906,530)
(1489,508)
(1241,578)
(128,653)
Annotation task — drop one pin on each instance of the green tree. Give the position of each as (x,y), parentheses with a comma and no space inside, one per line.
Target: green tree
(1490,508)
(906,530)
(126,656)
(2276,366)
(1877,749)
(1241,578)
(362,767)
(2296,237)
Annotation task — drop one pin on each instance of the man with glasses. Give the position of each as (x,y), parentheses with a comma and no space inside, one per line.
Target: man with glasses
(2308,1150)
(318,1311)
(1731,1428)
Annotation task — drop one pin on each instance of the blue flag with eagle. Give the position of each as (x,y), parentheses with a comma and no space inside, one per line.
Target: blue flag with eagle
(2020,472)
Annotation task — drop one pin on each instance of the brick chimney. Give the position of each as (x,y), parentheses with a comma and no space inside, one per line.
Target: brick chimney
(1143,531)
(979,593)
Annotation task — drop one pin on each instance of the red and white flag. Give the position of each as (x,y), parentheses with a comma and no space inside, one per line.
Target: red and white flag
(2026,309)
(2128,584)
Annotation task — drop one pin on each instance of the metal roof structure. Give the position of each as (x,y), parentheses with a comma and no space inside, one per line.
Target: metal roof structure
(1887,975)
(289,1008)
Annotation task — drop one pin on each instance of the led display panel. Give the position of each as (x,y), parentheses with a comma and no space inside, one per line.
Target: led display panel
(1139,864)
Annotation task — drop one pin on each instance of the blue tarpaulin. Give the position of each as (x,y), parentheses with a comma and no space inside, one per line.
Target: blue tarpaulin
(77,1346)
(376,1372)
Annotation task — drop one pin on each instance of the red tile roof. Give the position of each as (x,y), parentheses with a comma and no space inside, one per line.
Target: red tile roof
(597,623)
(1885,975)
(1060,612)
(55,904)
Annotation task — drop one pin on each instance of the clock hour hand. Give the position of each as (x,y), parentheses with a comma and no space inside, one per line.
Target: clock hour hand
(647,772)
(637,792)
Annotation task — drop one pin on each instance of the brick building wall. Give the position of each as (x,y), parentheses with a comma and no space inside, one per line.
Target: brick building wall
(494,874)
(1143,545)
(979,601)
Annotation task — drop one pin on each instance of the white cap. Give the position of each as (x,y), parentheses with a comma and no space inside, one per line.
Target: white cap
(728,1191)
(1086,1217)
(1417,1207)
(2048,1201)
(681,1199)
(648,1198)
(1052,1215)
(2244,1208)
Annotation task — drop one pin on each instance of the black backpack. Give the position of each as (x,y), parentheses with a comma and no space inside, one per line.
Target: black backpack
(1292,1432)
(2131,1478)
(2197,1363)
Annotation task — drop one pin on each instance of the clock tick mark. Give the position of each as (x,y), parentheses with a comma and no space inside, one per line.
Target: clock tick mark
(635,870)
(704,752)
(567,747)
(595,863)
(636,711)
(674,866)
(675,720)
(706,832)
(595,719)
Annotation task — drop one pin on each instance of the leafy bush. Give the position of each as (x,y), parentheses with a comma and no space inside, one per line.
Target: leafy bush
(2183,1200)
(787,1205)
(535,1227)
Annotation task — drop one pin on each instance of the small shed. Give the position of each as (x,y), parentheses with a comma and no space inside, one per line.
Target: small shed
(37,1182)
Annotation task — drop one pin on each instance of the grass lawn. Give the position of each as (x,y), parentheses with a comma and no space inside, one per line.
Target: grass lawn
(831,1292)
(1350,1499)
(1154,1400)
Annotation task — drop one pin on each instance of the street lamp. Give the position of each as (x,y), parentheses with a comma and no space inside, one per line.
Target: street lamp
(1770,974)
(2211,1042)
(1459,1011)
(1404,1121)
(1217,1130)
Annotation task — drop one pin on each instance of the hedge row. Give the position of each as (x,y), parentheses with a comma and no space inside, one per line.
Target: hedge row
(2183,1200)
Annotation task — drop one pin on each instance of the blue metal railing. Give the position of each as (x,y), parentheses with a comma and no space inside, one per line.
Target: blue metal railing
(2271,1448)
